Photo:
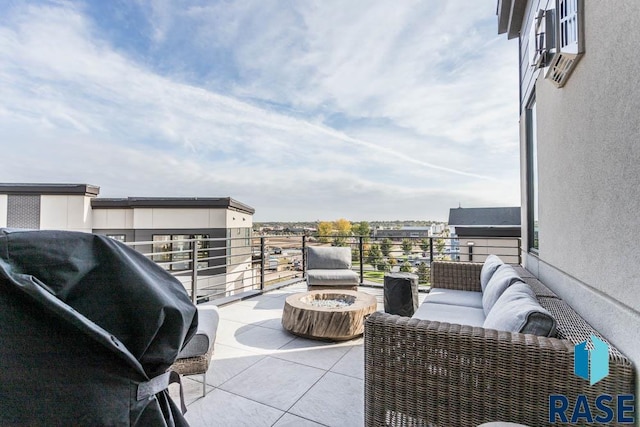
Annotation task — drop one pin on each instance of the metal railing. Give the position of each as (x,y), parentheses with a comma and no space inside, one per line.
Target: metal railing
(230,268)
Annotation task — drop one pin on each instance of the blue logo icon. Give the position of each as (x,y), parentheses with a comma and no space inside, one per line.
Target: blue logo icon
(592,365)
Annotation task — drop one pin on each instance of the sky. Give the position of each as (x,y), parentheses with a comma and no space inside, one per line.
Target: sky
(304,110)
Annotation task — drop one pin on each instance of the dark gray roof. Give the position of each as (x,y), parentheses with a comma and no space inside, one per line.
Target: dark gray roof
(510,14)
(172,202)
(50,189)
(485,217)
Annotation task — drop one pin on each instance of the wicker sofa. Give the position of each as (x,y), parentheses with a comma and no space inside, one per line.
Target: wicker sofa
(431,373)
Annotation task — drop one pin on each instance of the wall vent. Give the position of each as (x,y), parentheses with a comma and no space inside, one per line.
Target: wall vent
(23,211)
(570,41)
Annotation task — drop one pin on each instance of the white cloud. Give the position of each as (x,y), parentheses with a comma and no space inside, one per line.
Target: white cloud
(74,108)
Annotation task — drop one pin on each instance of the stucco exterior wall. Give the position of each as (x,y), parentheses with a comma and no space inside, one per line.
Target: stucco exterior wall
(588,138)
(589,158)
(62,212)
(235,219)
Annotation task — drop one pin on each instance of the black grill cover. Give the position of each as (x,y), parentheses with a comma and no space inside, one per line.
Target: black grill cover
(400,293)
(85,324)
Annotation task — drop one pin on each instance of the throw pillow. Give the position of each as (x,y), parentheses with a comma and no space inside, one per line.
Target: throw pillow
(518,310)
(504,277)
(489,267)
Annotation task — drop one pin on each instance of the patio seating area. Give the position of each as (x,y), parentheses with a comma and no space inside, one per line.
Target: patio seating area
(261,375)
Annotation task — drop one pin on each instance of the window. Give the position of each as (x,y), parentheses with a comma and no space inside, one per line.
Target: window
(173,251)
(238,245)
(533,224)
(570,40)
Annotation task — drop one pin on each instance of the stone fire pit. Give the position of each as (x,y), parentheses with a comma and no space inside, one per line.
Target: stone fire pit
(335,315)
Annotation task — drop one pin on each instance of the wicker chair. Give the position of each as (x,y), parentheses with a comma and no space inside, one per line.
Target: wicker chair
(195,356)
(426,373)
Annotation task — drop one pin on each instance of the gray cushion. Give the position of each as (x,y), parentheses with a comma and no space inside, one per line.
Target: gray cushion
(326,277)
(456,314)
(504,277)
(518,310)
(454,297)
(328,257)
(489,267)
(205,337)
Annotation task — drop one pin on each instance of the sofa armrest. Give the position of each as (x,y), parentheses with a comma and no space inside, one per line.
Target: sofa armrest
(419,372)
(463,276)
(205,337)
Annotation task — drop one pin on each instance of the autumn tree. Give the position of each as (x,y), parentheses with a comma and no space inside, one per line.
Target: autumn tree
(384,265)
(406,267)
(440,246)
(342,229)
(374,256)
(425,244)
(424,273)
(325,229)
(407,246)
(362,229)
(385,246)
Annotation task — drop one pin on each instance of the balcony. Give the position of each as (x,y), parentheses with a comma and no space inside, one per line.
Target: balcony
(261,375)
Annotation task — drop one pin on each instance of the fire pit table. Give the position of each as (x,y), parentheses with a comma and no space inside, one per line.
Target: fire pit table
(327,314)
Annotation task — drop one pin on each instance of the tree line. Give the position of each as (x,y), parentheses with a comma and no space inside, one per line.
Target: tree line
(378,255)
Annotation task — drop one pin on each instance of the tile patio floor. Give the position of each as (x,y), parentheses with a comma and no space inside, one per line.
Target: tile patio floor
(261,375)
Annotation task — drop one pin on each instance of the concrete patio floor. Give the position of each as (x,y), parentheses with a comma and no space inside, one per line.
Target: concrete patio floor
(261,375)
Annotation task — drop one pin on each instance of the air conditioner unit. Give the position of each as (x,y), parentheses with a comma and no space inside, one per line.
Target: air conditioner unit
(542,38)
(569,40)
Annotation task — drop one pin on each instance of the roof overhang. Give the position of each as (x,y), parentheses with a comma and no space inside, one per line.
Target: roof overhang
(50,189)
(172,202)
(510,14)
(488,231)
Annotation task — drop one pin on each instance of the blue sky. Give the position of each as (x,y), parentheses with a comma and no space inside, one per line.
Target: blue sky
(304,110)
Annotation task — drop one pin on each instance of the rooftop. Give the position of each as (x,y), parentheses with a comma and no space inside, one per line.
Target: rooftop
(485,217)
(261,375)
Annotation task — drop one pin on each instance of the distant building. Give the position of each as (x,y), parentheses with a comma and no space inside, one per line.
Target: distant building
(164,222)
(437,229)
(402,233)
(483,231)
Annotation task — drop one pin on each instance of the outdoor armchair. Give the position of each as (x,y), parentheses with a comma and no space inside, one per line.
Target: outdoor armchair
(330,268)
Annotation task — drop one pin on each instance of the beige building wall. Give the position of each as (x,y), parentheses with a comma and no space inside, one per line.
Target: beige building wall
(63,212)
(168,218)
(112,218)
(235,219)
(3,209)
(507,249)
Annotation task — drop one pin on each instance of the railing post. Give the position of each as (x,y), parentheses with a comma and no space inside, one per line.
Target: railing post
(470,246)
(519,251)
(304,255)
(430,250)
(361,251)
(194,272)
(262,261)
